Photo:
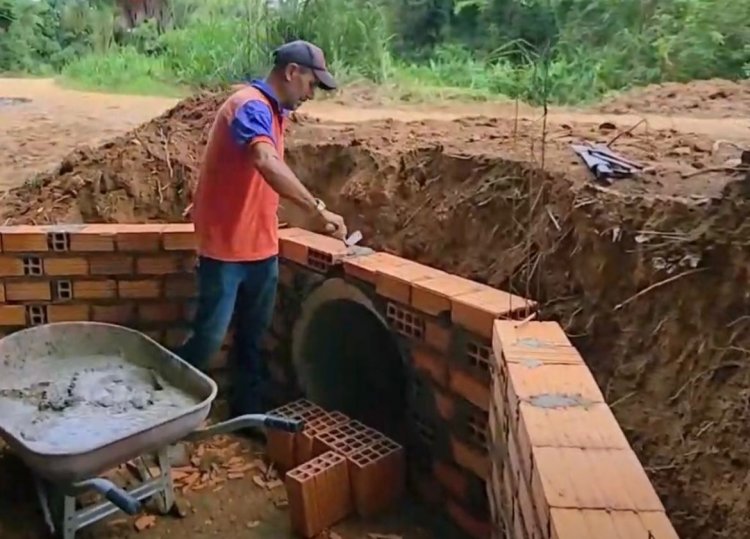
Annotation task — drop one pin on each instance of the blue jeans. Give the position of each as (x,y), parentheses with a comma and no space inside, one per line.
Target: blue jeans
(247,290)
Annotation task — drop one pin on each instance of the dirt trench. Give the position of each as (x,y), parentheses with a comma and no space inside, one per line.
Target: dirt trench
(648,276)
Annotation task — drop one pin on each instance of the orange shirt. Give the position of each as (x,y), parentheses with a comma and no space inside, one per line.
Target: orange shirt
(234,208)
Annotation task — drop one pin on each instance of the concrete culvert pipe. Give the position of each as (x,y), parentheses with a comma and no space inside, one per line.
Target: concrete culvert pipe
(347,359)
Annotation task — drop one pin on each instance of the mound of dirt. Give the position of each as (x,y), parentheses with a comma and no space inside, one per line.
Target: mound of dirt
(715,98)
(647,276)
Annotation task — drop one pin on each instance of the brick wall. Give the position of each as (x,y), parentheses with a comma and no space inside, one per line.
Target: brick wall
(510,436)
(140,276)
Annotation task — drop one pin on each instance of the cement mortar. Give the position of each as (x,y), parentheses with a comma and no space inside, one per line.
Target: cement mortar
(70,405)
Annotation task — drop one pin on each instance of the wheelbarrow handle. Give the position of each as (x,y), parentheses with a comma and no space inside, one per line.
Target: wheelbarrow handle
(283,423)
(113,493)
(246,422)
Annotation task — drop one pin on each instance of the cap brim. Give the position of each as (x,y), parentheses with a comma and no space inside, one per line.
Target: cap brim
(325,79)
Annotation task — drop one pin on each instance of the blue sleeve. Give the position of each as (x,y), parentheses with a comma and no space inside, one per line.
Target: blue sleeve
(253,119)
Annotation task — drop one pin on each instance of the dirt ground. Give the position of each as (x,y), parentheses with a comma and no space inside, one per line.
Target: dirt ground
(643,274)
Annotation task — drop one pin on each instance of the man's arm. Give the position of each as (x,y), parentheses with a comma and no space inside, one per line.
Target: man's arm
(252,126)
(281,178)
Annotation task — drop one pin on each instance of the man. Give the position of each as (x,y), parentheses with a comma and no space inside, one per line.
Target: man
(242,176)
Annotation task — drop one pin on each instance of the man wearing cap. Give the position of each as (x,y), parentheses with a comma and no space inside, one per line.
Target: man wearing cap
(242,176)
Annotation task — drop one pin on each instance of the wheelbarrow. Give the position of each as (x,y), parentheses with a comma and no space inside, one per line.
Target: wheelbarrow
(78,399)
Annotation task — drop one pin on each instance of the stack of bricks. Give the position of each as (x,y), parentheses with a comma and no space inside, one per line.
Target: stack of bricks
(140,276)
(335,467)
(561,466)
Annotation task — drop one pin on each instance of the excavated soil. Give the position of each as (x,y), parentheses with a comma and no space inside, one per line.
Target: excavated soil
(648,276)
(715,98)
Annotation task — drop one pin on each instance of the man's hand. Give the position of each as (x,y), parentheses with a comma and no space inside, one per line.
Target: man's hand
(334,224)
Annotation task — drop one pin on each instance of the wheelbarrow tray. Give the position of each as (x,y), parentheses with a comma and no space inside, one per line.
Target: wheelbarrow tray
(25,359)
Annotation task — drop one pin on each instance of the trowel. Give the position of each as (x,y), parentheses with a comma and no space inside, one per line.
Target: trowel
(354,239)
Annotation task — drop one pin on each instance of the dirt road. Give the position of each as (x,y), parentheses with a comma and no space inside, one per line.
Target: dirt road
(49,121)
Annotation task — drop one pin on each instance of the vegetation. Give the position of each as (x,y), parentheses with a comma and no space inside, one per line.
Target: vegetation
(564,51)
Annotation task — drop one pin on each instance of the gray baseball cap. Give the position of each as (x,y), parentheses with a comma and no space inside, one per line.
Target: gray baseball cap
(308,55)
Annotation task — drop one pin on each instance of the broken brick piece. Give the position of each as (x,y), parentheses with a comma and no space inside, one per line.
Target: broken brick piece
(378,476)
(319,494)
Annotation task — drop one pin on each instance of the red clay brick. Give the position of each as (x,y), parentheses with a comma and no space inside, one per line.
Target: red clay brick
(596,524)
(467,386)
(475,528)
(105,289)
(158,265)
(515,464)
(658,525)
(470,458)
(533,342)
(179,286)
(527,509)
(111,265)
(122,314)
(179,237)
(12,315)
(280,445)
(395,282)
(160,312)
(93,238)
(378,476)
(304,446)
(431,364)
(445,405)
(312,250)
(451,478)
(139,238)
(630,524)
(365,268)
(345,439)
(319,494)
(433,296)
(477,311)
(28,291)
(572,478)
(436,336)
(143,288)
(11,266)
(68,313)
(66,266)
(542,384)
(593,427)
(23,239)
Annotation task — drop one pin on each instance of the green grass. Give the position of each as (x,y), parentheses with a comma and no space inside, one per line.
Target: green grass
(124,71)
(570,52)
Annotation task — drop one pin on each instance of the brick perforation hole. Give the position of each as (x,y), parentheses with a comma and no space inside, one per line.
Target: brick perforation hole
(476,428)
(62,290)
(478,356)
(405,322)
(36,315)
(58,242)
(319,260)
(32,266)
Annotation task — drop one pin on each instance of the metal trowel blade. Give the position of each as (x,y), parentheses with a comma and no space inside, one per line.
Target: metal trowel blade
(354,239)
